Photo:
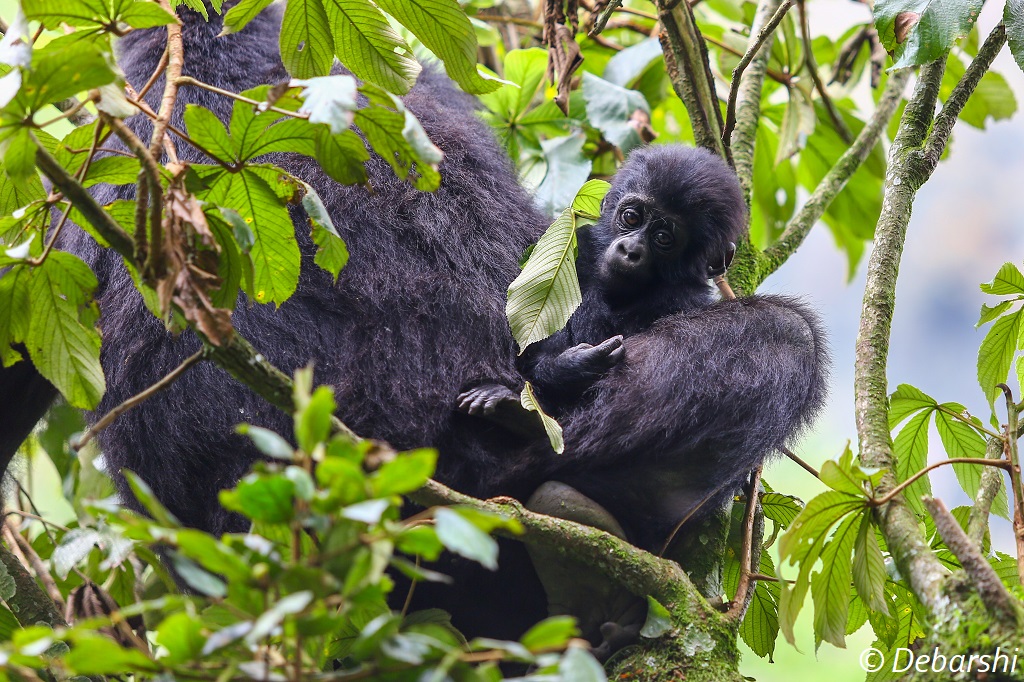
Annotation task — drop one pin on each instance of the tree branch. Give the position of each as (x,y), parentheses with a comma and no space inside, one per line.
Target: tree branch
(988,488)
(30,604)
(753,49)
(984,579)
(686,59)
(73,191)
(748,102)
(836,178)
(913,557)
(747,567)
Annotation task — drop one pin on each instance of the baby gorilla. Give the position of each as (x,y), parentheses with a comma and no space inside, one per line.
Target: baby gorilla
(668,224)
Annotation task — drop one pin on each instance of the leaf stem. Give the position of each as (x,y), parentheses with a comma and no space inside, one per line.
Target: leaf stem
(888,497)
(187,80)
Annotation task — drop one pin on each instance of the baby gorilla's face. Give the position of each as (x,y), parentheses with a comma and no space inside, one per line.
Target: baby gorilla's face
(647,241)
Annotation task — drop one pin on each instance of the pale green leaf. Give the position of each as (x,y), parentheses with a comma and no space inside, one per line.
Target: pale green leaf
(551,427)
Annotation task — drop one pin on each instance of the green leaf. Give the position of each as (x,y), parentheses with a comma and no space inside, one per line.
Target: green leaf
(182,636)
(658,622)
(342,156)
(940,24)
(463,538)
(760,626)
(147,498)
(869,574)
(911,450)
(94,654)
(331,254)
(144,14)
(906,400)
(112,170)
(996,355)
(567,170)
(551,427)
(61,340)
(587,203)
(1008,280)
(399,139)
(313,421)
(551,633)
(989,313)
(261,497)
(268,442)
(1013,17)
(960,440)
(64,72)
(404,474)
(579,665)
(368,46)
(19,149)
(15,313)
(610,109)
(444,28)
(330,100)
(841,478)
(526,69)
(275,254)
(781,509)
(247,10)
(275,615)
(547,291)
(208,132)
(830,588)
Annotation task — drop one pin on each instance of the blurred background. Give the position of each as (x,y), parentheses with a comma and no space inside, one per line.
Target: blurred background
(967,222)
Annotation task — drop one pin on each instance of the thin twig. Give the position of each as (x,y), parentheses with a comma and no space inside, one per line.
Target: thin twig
(807,467)
(985,581)
(734,86)
(139,398)
(837,120)
(888,497)
(776,76)
(1012,456)
(27,554)
(160,67)
(747,572)
(187,80)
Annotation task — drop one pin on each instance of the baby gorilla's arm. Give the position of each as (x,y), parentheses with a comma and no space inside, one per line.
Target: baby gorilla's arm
(501,405)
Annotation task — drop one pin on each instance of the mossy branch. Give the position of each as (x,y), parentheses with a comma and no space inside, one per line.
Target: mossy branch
(990,485)
(914,558)
(686,60)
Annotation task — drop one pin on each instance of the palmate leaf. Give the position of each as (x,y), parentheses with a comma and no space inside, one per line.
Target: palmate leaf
(444,28)
(244,12)
(911,450)
(97,13)
(547,291)
(397,136)
(307,46)
(1008,280)
(869,574)
(995,356)
(935,25)
(63,344)
(905,401)
(551,427)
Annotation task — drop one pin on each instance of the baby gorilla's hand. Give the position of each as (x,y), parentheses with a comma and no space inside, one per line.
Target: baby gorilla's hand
(483,401)
(594,361)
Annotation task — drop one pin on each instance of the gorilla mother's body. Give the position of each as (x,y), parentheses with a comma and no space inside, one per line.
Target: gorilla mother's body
(418,313)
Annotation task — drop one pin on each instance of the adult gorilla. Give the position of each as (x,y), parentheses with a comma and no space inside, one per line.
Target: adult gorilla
(418,314)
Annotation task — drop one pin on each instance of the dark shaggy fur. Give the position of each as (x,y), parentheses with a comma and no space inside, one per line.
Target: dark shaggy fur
(418,313)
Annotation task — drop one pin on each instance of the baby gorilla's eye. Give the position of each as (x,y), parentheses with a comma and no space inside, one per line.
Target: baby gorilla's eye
(663,238)
(631,217)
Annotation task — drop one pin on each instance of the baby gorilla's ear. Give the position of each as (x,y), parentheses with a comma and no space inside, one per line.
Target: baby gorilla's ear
(604,204)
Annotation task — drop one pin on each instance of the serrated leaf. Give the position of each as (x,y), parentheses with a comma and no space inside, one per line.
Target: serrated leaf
(760,626)
(995,355)
(587,203)
(404,474)
(960,440)
(64,72)
(547,291)
(551,427)
(444,28)
(910,448)
(906,400)
(463,538)
(830,588)
(399,139)
(869,574)
(342,156)
(781,509)
(244,12)
(989,313)
(275,253)
(63,349)
(1008,280)
(15,313)
(369,47)
(207,130)
(1013,18)
(307,46)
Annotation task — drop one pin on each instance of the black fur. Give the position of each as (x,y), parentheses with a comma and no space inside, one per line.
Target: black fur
(418,313)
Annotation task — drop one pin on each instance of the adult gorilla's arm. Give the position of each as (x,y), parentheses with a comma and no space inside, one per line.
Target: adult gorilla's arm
(24,397)
(701,398)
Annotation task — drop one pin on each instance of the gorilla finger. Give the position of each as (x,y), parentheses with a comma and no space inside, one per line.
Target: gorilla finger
(617,355)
